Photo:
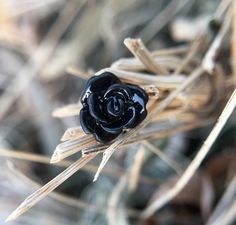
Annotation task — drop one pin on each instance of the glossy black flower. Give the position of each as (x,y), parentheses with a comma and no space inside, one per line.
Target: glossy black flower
(110,106)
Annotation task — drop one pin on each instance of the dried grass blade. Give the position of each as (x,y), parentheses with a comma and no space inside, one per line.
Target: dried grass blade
(160,81)
(179,50)
(164,199)
(152,91)
(114,200)
(49,187)
(208,62)
(72,133)
(192,51)
(233,42)
(228,217)
(133,64)
(71,147)
(162,18)
(222,7)
(224,202)
(136,168)
(140,51)
(17,154)
(172,163)
(78,72)
(69,110)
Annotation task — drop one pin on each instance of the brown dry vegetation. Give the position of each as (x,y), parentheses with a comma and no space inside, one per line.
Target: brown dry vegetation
(177,167)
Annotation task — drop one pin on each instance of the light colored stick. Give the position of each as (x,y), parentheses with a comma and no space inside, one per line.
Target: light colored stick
(114,200)
(71,147)
(17,154)
(208,62)
(74,202)
(179,50)
(161,107)
(161,19)
(133,64)
(78,72)
(72,133)
(160,81)
(228,217)
(27,181)
(172,163)
(151,90)
(140,51)
(223,203)
(49,187)
(192,51)
(155,133)
(189,172)
(162,57)
(222,7)
(135,169)
(69,110)
(233,43)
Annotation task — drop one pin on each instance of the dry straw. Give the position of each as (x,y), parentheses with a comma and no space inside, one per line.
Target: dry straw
(181,92)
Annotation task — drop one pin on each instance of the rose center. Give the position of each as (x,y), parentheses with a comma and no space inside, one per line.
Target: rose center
(115,106)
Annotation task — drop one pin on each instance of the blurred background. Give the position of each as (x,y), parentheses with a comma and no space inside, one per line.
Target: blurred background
(38,41)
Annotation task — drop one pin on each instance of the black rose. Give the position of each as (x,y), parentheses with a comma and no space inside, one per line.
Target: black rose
(110,106)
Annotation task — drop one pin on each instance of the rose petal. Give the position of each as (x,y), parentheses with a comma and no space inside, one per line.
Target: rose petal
(139,98)
(113,127)
(95,108)
(115,106)
(128,120)
(98,84)
(138,94)
(135,116)
(130,116)
(109,106)
(103,136)
(87,122)
(119,89)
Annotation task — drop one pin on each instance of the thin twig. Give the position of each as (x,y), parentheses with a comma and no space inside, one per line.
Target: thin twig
(160,81)
(191,53)
(151,90)
(224,202)
(135,169)
(161,19)
(140,51)
(32,157)
(114,200)
(222,8)
(228,217)
(179,50)
(49,187)
(72,133)
(233,43)
(189,172)
(208,62)
(82,74)
(69,110)
(71,147)
(74,202)
(171,162)
(155,132)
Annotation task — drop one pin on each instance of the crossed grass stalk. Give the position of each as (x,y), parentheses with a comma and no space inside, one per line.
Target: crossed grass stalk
(177,103)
